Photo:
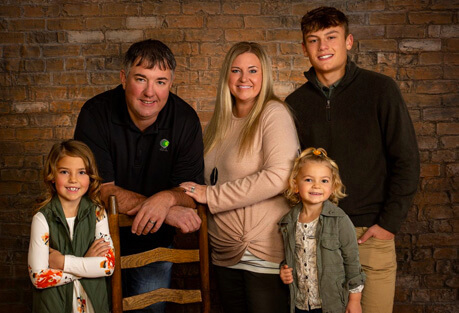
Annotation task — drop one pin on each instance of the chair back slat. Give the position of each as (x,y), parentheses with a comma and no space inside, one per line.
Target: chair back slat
(159,254)
(162,294)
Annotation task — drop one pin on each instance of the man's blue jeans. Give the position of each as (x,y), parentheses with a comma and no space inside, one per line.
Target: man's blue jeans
(149,277)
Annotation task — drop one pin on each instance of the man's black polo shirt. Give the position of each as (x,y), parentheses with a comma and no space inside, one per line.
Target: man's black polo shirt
(166,154)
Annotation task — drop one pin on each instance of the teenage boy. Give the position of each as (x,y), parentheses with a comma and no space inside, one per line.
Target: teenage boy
(360,118)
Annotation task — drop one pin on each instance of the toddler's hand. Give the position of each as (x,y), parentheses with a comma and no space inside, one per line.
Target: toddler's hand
(354,306)
(98,248)
(286,274)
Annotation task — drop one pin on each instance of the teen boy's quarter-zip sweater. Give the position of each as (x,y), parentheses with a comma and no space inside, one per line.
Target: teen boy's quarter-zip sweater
(366,128)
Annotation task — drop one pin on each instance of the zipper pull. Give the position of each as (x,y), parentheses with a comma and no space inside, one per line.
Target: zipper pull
(327,107)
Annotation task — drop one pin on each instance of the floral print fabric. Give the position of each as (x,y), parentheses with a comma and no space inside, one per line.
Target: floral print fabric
(307,296)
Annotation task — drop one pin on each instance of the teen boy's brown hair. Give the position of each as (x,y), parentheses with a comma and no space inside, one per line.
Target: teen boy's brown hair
(323,17)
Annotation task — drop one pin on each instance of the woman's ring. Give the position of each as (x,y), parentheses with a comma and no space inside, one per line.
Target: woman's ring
(150,221)
(192,189)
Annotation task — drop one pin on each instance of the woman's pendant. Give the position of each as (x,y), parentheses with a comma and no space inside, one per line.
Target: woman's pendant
(214,176)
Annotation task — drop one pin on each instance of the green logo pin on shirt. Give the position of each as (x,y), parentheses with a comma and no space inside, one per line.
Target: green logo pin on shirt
(164,143)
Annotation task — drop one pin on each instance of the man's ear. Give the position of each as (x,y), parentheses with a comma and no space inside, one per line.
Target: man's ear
(349,41)
(172,80)
(123,78)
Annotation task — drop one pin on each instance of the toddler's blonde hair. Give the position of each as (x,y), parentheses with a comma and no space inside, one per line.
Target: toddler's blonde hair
(318,155)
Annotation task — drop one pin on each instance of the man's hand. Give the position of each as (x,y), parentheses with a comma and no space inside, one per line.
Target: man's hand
(286,274)
(151,213)
(376,231)
(185,219)
(126,199)
(56,259)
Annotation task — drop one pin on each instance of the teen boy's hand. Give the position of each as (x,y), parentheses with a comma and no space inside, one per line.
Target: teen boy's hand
(376,231)
(286,274)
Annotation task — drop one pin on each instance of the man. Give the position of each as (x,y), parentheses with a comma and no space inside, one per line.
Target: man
(146,141)
(360,118)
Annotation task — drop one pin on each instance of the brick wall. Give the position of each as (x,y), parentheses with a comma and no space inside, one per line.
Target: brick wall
(57,54)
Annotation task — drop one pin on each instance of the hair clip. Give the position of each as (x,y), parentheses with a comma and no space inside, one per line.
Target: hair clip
(316,152)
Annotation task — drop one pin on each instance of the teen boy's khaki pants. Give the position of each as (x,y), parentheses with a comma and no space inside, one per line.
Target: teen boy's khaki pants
(380,266)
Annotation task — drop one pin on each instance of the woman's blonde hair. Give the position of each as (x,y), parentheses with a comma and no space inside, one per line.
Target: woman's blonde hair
(315,155)
(72,148)
(221,119)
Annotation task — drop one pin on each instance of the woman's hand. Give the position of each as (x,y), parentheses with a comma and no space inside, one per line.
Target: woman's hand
(99,247)
(195,191)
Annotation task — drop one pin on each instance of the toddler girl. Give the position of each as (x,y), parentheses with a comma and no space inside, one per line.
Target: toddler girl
(321,254)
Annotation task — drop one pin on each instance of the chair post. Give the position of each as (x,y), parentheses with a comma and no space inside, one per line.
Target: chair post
(204,259)
(113,217)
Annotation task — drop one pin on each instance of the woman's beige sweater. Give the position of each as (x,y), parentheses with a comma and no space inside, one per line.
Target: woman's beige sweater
(246,203)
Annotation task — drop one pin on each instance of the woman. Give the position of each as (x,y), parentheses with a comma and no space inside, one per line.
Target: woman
(249,147)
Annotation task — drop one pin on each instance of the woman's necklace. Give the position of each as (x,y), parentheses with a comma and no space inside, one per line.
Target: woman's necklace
(214,176)
(219,151)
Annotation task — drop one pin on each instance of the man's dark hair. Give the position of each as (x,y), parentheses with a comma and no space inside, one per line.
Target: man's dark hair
(149,53)
(324,17)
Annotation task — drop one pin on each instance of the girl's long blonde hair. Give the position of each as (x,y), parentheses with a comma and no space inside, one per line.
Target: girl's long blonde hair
(72,148)
(221,119)
(315,155)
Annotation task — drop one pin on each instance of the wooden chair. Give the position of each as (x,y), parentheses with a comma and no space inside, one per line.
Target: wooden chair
(201,255)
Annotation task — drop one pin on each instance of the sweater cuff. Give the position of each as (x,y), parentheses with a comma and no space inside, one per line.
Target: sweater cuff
(208,199)
(356,289)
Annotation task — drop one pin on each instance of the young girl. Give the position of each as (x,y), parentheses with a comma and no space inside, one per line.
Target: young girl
(321,254)
(70,251)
